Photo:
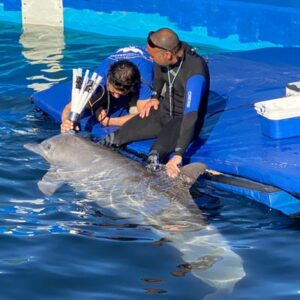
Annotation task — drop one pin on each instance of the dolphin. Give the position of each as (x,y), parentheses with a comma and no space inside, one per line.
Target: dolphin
(127,188)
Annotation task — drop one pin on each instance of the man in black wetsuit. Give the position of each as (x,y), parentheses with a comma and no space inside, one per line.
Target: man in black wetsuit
(177,116)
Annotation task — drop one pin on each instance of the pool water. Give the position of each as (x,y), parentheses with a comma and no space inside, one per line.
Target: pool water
(65,246)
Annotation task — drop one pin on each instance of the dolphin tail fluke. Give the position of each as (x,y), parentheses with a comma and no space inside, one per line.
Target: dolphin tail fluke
(191,172)
(224,294)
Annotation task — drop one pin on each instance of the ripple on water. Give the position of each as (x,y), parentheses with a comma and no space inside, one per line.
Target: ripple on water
(66,247)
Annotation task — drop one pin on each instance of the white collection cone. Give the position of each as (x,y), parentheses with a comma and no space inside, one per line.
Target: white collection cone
(82,91)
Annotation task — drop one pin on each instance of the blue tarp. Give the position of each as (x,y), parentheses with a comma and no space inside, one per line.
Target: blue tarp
(231,140)
(234,142)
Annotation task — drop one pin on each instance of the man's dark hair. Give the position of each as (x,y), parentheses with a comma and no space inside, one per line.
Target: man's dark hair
(124,76)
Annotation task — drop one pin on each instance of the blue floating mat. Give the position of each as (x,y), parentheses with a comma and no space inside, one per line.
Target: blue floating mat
(53,100)
(232,141)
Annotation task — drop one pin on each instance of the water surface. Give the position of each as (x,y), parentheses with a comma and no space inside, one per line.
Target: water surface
(67,247)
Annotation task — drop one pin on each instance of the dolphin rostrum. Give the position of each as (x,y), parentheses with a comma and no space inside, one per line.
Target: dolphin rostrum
(127,188)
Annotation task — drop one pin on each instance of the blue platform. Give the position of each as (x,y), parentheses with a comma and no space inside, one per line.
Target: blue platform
(231,141)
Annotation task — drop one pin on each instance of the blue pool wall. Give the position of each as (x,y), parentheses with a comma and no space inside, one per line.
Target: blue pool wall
(229,24)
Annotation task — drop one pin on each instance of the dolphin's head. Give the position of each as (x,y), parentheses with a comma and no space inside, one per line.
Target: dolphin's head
(62,149)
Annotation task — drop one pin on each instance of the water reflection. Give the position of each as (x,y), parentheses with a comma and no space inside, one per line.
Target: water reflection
(42,47)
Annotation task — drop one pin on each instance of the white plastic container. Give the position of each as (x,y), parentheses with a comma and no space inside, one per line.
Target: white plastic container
(280,118)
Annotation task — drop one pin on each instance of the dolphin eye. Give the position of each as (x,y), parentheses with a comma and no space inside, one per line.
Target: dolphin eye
(48,146)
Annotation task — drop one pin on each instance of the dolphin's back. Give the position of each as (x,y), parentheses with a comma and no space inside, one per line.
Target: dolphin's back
(126,188)
(72,151)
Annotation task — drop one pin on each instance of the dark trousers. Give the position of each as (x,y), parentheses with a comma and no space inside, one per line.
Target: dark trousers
(158,125)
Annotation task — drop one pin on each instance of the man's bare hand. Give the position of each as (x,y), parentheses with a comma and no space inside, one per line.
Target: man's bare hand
(68,125)
(172,166)
(151,103)
(103,118)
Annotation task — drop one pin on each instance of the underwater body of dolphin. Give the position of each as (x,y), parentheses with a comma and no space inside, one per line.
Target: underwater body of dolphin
(149,198)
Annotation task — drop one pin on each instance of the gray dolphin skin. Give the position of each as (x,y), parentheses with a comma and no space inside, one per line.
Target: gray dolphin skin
(128,189)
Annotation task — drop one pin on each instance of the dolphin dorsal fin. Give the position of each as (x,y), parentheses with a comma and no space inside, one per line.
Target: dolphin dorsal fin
(190,173)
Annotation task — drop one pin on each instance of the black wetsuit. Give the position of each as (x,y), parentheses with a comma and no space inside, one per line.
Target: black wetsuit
(103,100)
(180,116)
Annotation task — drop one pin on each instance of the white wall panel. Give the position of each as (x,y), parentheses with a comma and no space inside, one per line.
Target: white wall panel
(42,12)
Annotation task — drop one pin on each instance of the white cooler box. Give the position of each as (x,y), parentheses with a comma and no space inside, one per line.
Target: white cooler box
(280,118)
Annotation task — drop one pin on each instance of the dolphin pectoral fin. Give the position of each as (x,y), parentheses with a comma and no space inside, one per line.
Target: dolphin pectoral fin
(49,188)
(51,182)
(191,172)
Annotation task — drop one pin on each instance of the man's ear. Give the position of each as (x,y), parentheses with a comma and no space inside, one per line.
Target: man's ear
(168,55)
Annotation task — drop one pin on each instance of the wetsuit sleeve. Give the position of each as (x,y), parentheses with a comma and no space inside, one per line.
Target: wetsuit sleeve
(158,82)
(195,90)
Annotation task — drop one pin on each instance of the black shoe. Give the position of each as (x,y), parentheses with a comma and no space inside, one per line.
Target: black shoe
(153,163)
(108,141)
